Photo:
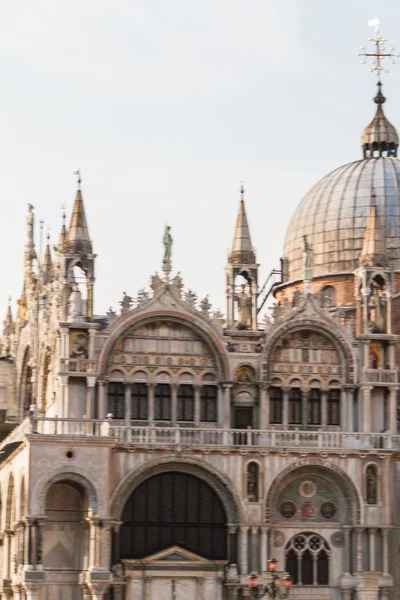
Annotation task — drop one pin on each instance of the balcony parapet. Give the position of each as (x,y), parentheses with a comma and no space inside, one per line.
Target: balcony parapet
(379,376)
(121,434)
(78,366)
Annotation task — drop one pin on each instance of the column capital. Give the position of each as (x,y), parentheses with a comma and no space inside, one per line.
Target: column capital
(227,385)
(367,388)
(91,382)
(232,528)
(394,388)
(244,528)
(254,529)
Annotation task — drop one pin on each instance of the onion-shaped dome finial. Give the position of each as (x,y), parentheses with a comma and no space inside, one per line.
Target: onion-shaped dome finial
(380,138)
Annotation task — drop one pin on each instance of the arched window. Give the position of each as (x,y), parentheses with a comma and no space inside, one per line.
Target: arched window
(371,484)
(162,402)
(208,410)
(252,482)
(295,406)
(185,403)
(116,400)
(307,559)
(184,511)
(328,297)
(314,407)
(139,401)
(334,407)
(275,406)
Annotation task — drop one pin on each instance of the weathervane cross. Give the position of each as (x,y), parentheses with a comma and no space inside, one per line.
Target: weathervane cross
(379,51)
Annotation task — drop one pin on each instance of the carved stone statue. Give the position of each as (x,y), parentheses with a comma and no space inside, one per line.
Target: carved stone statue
(191,298)
(177,285)
(125,303)
(156,283)
(142,297)
(167,241)
(244,309)
(205,307)
(75,302)
(307,256)
(376,310)
(371,485)
(252,483)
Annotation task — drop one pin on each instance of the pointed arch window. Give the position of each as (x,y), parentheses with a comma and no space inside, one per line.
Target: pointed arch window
(162,402)
(116,399)
(334,407)
(314,407)
(275,406)
(139,405)
(185,403)
(295,407)
(208,409)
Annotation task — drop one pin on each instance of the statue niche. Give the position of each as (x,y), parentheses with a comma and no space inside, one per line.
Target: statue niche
(377,307)
(243,301)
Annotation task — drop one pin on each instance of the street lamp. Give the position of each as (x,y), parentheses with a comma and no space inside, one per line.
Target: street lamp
(274,588)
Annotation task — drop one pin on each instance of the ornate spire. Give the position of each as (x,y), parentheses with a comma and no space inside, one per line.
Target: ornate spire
(242,248)
(78,240)
(63,233)
(380,137)
(47,262)
(373,252)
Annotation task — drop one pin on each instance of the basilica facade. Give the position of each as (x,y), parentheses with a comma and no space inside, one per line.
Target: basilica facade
(168,451)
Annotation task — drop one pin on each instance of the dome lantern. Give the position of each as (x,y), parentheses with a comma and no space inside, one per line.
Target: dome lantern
(380,138)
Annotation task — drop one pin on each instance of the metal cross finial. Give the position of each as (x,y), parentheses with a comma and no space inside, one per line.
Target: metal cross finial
(78,173)
(379,51)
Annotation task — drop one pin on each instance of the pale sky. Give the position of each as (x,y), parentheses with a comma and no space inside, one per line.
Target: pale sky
(166,106)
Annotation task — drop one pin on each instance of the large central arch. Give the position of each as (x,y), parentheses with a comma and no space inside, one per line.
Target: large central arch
(221,485)
(173,509)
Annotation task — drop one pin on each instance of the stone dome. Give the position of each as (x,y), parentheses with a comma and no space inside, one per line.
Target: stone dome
(334,213)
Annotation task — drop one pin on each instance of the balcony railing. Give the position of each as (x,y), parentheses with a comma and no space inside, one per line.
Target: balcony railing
(380,375)
(164,437)
(78,365)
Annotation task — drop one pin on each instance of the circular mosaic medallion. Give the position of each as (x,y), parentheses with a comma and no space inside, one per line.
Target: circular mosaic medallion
(328,510)
(307,489)
(337,539)
(278,538)
(288,509)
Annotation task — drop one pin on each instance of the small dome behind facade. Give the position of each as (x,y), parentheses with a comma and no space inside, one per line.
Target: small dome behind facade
(334,214)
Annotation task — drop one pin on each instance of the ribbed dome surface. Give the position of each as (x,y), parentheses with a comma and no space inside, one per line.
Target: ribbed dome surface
(333,216)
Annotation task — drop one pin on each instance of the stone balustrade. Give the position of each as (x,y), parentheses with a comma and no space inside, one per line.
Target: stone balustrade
(78,365)
(380,376)
(202,438)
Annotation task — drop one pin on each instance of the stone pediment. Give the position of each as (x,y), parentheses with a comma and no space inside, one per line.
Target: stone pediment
(176,554)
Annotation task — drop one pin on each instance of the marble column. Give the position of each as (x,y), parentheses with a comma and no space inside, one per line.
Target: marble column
(227,405)
(63,404)
(102,399)
(360,549)
(372,557)
(366,422)
(128,402)
(174,404)
(347,416)
(197,405)
(264,549)
(385,551)
(393,393)
(324,408)
(264,406)
(151,390)
(285,419)
(243,550)
(346,553)
(304,407)
(254,549)
(90,383)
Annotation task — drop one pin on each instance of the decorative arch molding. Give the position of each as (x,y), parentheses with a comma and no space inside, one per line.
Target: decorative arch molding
(340,479)
(311,323)
(197,323)
(216,480)
(97,500)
